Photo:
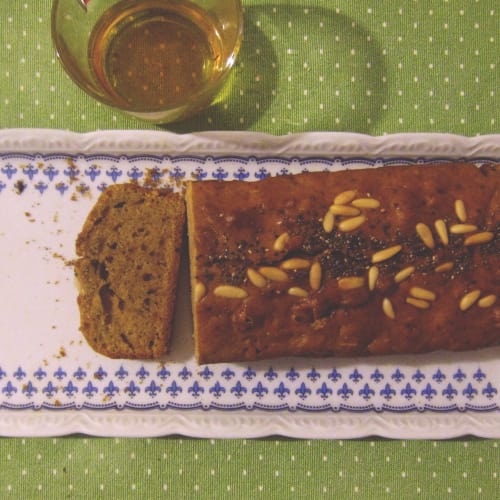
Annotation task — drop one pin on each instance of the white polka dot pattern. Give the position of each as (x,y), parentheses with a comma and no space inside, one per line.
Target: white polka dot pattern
(184,468)
(343,66)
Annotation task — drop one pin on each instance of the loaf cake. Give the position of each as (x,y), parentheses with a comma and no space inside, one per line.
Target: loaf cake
(392,260)
(129,251)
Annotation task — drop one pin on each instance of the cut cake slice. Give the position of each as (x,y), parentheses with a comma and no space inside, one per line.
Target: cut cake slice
(129,252)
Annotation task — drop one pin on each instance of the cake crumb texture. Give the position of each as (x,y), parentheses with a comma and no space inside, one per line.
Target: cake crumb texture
(127,270)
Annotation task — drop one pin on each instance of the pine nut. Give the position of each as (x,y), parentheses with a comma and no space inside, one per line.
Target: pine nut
(315,276)
(422,293)
(273,273)
(386,253)
(345,210)
(460,210)
(352,223)
(365,203)
(425,234)
(443,268)
(328,222)
(478,238)
(388,309)
(230,292)
(469,299)
(404,273)
(295,263)
(351,282)
(487,301)
(442,231)
(199,291)
(344,197)
(462,228)
(256,278)
(418,303)
(373,273)
(281,242)
(296,291)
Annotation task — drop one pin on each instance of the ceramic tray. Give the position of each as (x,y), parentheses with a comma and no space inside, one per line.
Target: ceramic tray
(52,383)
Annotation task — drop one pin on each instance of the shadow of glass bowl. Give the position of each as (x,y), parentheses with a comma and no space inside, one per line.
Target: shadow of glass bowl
(299,69)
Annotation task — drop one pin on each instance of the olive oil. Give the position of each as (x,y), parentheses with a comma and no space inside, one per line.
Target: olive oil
(155,54)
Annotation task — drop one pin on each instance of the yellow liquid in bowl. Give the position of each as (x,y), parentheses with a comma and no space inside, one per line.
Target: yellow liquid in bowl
(153,55)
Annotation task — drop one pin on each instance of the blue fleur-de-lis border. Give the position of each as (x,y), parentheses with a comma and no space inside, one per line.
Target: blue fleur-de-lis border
(69,173)
(271,388)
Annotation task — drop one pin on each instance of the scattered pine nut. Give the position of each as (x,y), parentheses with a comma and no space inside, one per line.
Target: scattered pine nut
(230,292)
(315,276)
(424,231)
(344,197)
(273,273)
(352,223)
(462,228)
(460,210)
(281,242)
(328,222)
(297,292)
(199,291)
(345,210)
(295,263)
(442,231)
(373,273)
(256,278)
(388,309)
(404,273)
(386,253)
(478,238)
(351,282)
(365,203)
(422,293)
(469,299)
(443,268)
(418,303)
(487,301)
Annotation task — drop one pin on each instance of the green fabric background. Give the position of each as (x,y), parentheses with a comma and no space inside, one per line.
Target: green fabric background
(366,66)
(78,467)
(354,65)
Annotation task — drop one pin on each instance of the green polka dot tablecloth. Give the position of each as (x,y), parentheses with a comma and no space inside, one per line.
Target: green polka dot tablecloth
(79,467)
(328,65)
(363,66)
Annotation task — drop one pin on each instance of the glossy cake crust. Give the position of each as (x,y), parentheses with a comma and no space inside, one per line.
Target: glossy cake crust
(392,260)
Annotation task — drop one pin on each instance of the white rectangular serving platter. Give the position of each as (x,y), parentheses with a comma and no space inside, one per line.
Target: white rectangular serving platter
(52,383)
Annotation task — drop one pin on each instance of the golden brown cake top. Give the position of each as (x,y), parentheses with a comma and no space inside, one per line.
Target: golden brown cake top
(353,262)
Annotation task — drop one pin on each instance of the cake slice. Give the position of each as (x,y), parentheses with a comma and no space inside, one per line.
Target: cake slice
(129,252)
